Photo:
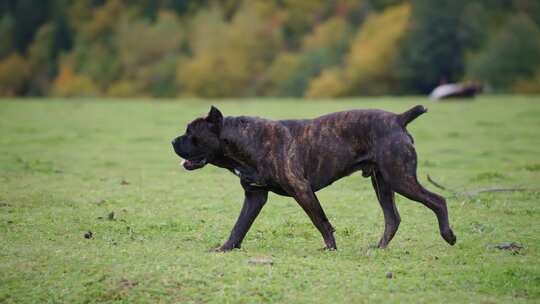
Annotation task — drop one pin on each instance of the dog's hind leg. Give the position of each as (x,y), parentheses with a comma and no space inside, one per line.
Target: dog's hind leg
(253,203)
(398,167)
(385,195)
(411,189)
(307,199)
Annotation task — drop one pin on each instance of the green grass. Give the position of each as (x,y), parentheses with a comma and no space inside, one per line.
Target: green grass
(66,165)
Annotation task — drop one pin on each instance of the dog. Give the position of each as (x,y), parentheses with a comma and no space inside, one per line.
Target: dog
(296,158)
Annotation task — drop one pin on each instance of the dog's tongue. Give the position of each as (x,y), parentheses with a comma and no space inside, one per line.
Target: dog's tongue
(193,164)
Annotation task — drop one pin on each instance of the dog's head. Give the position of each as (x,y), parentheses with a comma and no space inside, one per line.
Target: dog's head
(200,144)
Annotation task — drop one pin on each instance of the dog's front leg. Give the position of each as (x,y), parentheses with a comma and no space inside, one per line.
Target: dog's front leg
(307,199)
(253,203)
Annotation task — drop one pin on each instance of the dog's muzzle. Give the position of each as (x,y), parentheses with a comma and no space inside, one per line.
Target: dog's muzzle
(191,164)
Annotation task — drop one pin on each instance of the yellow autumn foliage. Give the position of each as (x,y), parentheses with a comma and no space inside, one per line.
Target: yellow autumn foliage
(329,34)
(124,88)
(228,56)
(278,72)
(70,84)
(376,45)
(139,43)
(300,15)
(368,65)
(14,73)
(212,75)
(104,19)
(331,83)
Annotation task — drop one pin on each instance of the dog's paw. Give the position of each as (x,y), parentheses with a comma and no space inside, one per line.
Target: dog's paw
(377,246)
(449,237)
(225,248)
(221,249)
(326,248)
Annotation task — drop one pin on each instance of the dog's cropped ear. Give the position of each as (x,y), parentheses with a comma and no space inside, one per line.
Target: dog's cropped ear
(215,118)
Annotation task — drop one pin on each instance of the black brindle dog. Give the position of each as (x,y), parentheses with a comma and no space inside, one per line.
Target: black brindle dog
(299,157)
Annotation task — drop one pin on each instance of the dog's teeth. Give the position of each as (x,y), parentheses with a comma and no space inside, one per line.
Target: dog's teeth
(236,172)
(183,162)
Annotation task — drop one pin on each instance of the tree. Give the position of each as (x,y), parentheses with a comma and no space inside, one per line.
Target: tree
(151,66)
(29,16)
(7,25)
(94,55)
(528,85)
(278,73)
(69,84)
(512,54)
(229,58)
(321,49)
(433,50)
(369,65)
(331,83)
(300,15)
(14,75)
(41,57)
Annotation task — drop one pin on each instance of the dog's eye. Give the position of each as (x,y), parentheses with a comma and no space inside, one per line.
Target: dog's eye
(195,141)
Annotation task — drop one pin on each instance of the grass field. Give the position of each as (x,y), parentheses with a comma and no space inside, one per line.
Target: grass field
(66,166)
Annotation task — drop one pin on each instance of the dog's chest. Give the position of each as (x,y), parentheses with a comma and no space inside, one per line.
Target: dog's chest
(249,177)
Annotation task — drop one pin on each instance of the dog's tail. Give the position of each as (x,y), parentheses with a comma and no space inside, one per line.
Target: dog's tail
(406,117)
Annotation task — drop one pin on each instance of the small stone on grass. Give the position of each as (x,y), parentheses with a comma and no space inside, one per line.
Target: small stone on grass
(260,261)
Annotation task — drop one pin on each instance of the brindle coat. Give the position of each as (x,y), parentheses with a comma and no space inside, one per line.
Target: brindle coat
(299,157)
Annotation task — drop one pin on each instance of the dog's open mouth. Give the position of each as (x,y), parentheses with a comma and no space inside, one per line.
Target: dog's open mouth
(192,164)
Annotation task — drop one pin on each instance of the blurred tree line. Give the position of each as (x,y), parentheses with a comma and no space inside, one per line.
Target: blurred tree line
(230,48)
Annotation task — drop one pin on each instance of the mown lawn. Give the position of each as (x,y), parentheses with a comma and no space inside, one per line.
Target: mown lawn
(67,165)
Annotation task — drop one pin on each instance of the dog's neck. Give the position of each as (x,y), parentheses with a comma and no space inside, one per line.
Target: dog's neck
(241,140)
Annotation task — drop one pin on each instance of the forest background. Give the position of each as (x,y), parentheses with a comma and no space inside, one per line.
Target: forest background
(234,48)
